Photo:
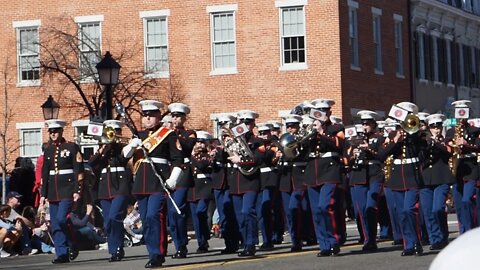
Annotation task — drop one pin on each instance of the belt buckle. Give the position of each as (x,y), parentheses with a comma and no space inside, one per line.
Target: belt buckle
(404,161)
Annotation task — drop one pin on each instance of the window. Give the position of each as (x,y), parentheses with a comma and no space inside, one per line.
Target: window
(435,59)
(222,36)
(292,34)
(377,41)
(398,45)
(88,144)
(420,53)
(156,42)
(90,41)
(449,62)
(28,56)
(461,66)
(30,139)
(353,34)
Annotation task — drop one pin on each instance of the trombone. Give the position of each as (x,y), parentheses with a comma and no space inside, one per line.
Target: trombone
(109,135)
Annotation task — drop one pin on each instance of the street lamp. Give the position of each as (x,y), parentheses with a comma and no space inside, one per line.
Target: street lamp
(108,70)
(50,109)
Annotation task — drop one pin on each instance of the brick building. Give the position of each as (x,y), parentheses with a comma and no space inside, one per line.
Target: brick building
(228,55)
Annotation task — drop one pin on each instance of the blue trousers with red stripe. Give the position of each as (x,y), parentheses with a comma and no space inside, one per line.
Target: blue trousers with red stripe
(365,202)
(199,210)
(177,223)
(245,213)
(432,200)
(264,213)
(295,205)
(393,212)
(406,203)
(114,212)
(153,213)
(59,227)
(322,202)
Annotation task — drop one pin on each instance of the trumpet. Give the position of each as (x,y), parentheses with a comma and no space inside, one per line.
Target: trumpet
(109,135)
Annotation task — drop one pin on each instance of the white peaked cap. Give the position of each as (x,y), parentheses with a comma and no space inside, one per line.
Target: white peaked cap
(178,108)
(293,118)
(264,127)
(390,121)
(203,135)
(461,253)
(409,106)
(367,115)
(307,120)
(461,103)
(422,116)
(381,124)
(247,114)
(223,118)
(150,105)
(275,124)
(116,124)
(55,123)
(323,103)
(336,120)
(435,118)
(166,119)
(307,104)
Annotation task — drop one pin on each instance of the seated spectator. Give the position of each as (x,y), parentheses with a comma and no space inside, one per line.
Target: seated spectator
(9,232)
(84,234)
(133,224)
(41,238)
(24,245)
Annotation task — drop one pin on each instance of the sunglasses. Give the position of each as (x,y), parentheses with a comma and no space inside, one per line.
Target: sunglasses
(435,126)
(54,130)
(264,132)
(149,113)
(323,109)
(291,126)
(247,121)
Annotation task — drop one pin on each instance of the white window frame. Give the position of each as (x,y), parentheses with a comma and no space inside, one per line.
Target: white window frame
(448,49)
(29,127)
(398,32)
(377,40)
(217,10)
(84,20)
(152,15)
(353,35)
(422,73)
(282,4)
(21,26)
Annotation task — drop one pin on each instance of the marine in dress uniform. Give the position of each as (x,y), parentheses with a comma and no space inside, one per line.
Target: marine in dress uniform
(366,177)
(200,194)
(464,138)
(268,186)
(114,189)
(177,223)
(292,172)
(163,150)
(437,179)
(62,175)
(228,225)
(406,180)
(244,182)
(323,175)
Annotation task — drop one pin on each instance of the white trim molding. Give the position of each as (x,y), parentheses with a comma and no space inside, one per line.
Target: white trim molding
(30,23)
(222,8)
(398,18)
(352,4)
(155,13)
(376,11)
(80,123)
(290,3)
(91,18)
(30,125)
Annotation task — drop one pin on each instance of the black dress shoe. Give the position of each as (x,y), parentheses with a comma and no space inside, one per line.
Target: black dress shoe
(202,249)
(369,247)
(266,247)
(117,256)
(157,262)
(229,250)
(329,252)
(61,259)
(438,246)
(277,241)
(181,254)
(247,252)
(408,252)
(73,254)
(397,242)
(417,249)
(296,248)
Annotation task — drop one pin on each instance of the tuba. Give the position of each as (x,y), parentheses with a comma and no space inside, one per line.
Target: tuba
(290,143)
(238,146)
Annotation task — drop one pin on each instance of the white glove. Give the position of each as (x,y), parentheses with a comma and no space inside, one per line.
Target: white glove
(130,148)
(176,175)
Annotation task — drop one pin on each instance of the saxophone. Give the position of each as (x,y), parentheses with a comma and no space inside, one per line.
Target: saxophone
(453,161)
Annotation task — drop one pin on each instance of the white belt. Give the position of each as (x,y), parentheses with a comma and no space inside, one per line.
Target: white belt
(201,176)
(294,164)
(219,164)
(186,160)
(399,161)
(266,169)
(324,155)
(157,160)
(114,169)
(230,165)
(371,162)
(65,171)
(470,155)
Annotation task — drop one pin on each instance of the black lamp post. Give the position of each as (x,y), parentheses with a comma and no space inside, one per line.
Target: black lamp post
(108,71)
(50,109)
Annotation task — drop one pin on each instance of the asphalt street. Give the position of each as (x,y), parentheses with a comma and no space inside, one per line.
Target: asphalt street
(350,257)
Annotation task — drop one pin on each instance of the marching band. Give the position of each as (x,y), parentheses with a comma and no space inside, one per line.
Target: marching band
(263,180)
